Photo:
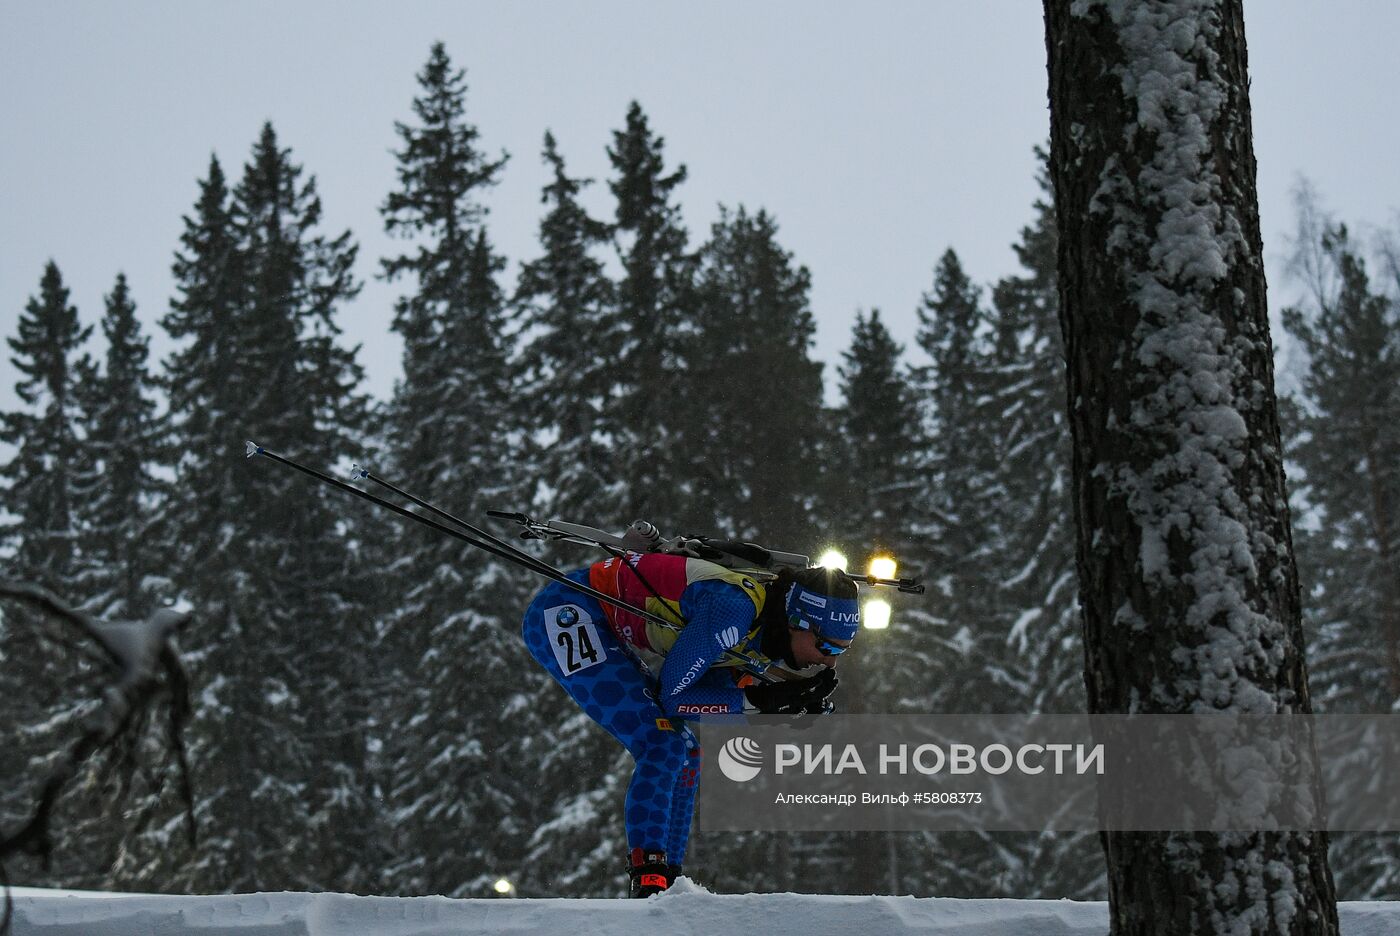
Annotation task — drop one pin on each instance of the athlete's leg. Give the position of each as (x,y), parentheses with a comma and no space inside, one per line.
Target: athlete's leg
(567,633)
(683,799)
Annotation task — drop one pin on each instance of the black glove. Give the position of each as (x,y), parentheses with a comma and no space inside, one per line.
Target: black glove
(820,707)
(793,696)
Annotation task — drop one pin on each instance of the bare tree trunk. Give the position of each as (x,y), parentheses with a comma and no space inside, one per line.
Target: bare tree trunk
(1188,589)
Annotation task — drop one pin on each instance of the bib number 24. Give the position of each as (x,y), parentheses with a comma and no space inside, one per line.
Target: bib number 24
(574,639)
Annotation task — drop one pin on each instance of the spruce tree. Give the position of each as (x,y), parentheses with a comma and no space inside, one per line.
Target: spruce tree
(122,541)
(875,498)
(654,296)
(122,559)
(752,430)
(880,424)
(45,433)
(1024,405)
(40,533)
(565,304)
(564,301)
(442,175)
(205,386)
(296,280)
(954,536)
(299,278)
(1035,656)
(1343,436)
(458,805)
(1346,440)
(752,434)
(280,638)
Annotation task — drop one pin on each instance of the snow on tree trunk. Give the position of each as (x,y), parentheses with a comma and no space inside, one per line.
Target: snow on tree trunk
(1188,588)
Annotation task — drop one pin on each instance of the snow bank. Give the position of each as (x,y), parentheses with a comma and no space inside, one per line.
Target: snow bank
(686,910)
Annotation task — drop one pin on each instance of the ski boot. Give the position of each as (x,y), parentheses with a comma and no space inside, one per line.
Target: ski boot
(649,872)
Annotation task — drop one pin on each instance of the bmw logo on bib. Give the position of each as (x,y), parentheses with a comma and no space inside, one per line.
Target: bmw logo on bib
(567,617)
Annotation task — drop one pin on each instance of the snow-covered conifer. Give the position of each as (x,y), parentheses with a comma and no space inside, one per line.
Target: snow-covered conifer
(455,784)
(281,643)
(654,309)
(752,429)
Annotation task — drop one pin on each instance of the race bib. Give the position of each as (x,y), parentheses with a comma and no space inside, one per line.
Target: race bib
(574,639)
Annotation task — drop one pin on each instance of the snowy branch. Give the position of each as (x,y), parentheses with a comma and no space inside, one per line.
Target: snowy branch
(144,672)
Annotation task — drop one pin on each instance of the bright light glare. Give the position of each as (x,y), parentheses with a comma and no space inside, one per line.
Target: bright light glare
(883,567)
(504,887)
(875,614)
(833,559)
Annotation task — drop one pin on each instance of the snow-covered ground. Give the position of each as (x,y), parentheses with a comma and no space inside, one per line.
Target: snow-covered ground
(685,910)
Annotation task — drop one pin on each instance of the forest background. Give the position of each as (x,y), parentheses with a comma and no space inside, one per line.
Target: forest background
(365,719)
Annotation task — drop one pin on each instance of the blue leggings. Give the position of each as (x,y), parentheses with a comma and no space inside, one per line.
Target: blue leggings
(566,632)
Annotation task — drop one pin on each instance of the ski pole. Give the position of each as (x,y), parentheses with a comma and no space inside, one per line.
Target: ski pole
(508,553)
(358,472)
(254,449)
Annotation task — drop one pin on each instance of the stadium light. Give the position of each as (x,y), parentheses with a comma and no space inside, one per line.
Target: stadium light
(833,559)
(883,567)
(875,614)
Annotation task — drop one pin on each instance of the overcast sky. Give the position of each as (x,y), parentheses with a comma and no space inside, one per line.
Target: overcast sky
(877,133)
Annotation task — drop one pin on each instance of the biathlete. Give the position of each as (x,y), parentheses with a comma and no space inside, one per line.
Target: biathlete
(804,619)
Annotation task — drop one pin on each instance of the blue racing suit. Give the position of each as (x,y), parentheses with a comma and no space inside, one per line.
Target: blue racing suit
(587,652)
